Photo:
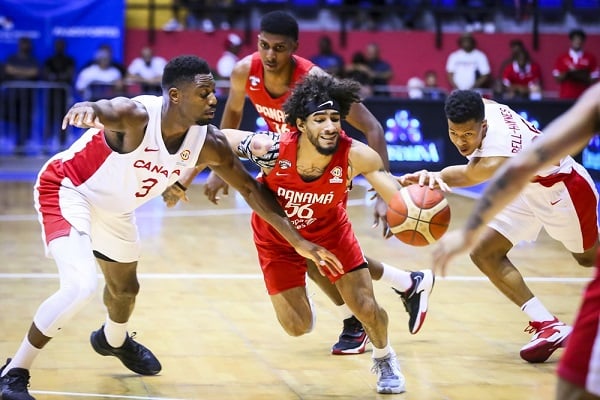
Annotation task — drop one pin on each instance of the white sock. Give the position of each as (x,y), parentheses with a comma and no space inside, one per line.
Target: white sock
(24,356)
(536,310)
(380,353)
(344,311)
(396,277)
(115,332)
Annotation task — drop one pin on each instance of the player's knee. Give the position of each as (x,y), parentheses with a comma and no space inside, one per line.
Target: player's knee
(124,290)
(368,312)
(585,259)
(297,326)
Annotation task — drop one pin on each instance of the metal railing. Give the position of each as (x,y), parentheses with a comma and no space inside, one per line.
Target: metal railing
(31,114)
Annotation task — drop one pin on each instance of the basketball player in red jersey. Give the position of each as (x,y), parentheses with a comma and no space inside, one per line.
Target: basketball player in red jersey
(86,196)
(562,199)
(310,178)
(266,77)
(578,369)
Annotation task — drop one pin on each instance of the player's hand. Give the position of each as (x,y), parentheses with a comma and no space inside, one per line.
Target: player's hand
(82,115)
(173,194)
(451,244)
(423,177)
(380,215)
(323,258)
(212,186)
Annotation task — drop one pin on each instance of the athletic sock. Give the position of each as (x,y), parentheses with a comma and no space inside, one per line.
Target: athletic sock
(536,310)
(24,357)
(115,332)
(396,278)
(380,353)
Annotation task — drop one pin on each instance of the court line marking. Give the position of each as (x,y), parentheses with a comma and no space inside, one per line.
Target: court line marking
(110,396)
(184,276)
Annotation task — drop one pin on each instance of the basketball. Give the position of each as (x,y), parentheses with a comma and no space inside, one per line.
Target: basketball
(418,215)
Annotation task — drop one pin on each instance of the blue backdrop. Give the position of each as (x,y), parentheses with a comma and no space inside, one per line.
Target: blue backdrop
(84,24)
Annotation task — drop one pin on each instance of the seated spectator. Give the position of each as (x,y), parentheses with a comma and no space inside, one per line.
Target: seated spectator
(327,59)
(225,64)
(359,70)
(21,66)
(147,71)
(468,68)
(204,15)
(516,46)
(58,68)
(576,69)
(522,78)
(107,48)
(414,87)
(99,80)
(479,15)
(382,71)
(432,89)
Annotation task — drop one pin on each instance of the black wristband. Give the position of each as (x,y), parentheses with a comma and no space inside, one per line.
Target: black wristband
(180,186)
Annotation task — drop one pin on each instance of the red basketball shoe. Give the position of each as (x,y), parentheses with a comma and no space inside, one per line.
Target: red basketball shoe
(548,336)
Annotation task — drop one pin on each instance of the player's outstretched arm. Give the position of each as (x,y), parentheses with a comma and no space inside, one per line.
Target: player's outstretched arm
(567,134)
(118,114)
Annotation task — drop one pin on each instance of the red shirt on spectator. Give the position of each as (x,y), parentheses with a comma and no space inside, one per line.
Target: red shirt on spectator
(575,60)
(530,74)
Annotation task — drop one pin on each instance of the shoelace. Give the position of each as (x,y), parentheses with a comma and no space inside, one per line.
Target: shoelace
(385,365)
(536,326)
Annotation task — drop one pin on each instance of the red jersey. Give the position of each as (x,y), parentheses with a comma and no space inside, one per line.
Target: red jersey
(514,75)
(579,363)
(271,108)
(317,210)
(569,88)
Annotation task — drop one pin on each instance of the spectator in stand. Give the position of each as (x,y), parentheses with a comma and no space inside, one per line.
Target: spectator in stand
(432,89)
(382,71)
(327,59)
(414,87)
(468,67)
(21,66)
(147,71)
(576,69)
(522,79)
(201,14)
(516,46)
(479,15)
(58,68)
(225,64)
(99,80)
(107,48)
(359,70)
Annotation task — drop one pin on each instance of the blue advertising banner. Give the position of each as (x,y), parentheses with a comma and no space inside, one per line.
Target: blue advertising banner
(84,24)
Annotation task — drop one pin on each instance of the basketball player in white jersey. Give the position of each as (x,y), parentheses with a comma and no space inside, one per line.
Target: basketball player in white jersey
(86,197)
(578,369)
(561,198)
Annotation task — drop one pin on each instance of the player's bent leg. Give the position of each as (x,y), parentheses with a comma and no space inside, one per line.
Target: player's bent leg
(353,338)
(294,311)
(416,299)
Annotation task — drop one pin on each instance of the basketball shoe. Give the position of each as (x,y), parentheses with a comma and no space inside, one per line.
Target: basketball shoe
(352,340)
(389,378)
(548,336)
(133,355)
(13,385)
(416,299)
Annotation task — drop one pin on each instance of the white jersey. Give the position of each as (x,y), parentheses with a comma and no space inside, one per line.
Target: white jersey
(508,133)
(120,183)
(562,199)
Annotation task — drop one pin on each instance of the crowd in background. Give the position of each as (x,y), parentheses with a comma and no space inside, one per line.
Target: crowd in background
(518,77)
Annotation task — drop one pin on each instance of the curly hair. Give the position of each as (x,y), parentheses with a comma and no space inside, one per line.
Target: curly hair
(464,105)
(320,88)
(183,69)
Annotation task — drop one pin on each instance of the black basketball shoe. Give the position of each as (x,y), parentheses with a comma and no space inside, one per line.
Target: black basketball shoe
(13,385)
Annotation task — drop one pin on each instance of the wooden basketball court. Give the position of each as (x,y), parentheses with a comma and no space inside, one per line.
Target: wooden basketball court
(204,312)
